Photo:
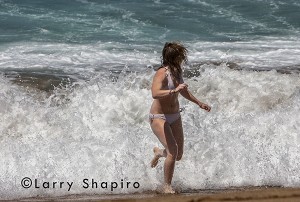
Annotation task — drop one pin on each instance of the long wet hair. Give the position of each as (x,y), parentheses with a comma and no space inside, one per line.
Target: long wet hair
(172,55)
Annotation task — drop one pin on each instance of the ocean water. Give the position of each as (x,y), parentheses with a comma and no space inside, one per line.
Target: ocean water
(75,79)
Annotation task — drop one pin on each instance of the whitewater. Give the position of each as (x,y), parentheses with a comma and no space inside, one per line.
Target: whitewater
(99,130)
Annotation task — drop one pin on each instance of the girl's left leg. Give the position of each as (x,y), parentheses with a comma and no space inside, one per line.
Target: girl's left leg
(178,135)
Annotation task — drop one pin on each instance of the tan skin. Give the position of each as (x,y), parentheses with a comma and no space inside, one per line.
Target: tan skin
(170,136)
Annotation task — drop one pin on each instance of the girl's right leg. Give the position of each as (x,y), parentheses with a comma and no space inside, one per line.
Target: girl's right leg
(163,132)
(158,153)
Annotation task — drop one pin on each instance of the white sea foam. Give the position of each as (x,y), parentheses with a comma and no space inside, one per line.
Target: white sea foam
(267,54)
(83,59)
(100,130)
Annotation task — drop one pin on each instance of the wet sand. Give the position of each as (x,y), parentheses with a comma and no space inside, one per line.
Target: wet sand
(261,194)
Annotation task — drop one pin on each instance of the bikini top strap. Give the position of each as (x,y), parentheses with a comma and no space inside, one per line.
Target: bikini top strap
(167,71)
(168,74)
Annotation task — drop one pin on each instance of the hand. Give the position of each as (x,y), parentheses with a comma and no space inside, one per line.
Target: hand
(181,87)
(204,106)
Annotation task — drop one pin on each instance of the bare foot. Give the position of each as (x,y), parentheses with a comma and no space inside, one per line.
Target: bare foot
(167,189)
(156,157)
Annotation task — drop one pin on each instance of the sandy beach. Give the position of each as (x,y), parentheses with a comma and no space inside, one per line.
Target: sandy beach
(262,194)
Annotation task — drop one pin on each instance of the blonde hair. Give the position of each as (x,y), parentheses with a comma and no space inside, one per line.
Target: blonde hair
(172,55)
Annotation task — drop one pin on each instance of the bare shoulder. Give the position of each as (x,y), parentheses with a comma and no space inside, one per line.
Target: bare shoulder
(160,73)
(159,79)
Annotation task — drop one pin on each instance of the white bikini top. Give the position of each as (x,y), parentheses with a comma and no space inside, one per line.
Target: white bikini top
(171,85)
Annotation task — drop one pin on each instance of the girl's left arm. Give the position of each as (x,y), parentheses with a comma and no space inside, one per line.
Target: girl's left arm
(189,96)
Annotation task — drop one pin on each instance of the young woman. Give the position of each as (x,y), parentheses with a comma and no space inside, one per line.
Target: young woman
(165,119)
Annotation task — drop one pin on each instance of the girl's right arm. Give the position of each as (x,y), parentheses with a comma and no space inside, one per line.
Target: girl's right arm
(157,84)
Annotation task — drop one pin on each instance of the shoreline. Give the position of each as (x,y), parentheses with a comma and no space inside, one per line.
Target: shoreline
(262,194)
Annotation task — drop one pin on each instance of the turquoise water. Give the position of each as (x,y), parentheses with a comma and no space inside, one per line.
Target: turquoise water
(146,22)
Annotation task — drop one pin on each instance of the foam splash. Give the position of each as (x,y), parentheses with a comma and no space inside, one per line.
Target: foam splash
(99,130)
(251,137)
